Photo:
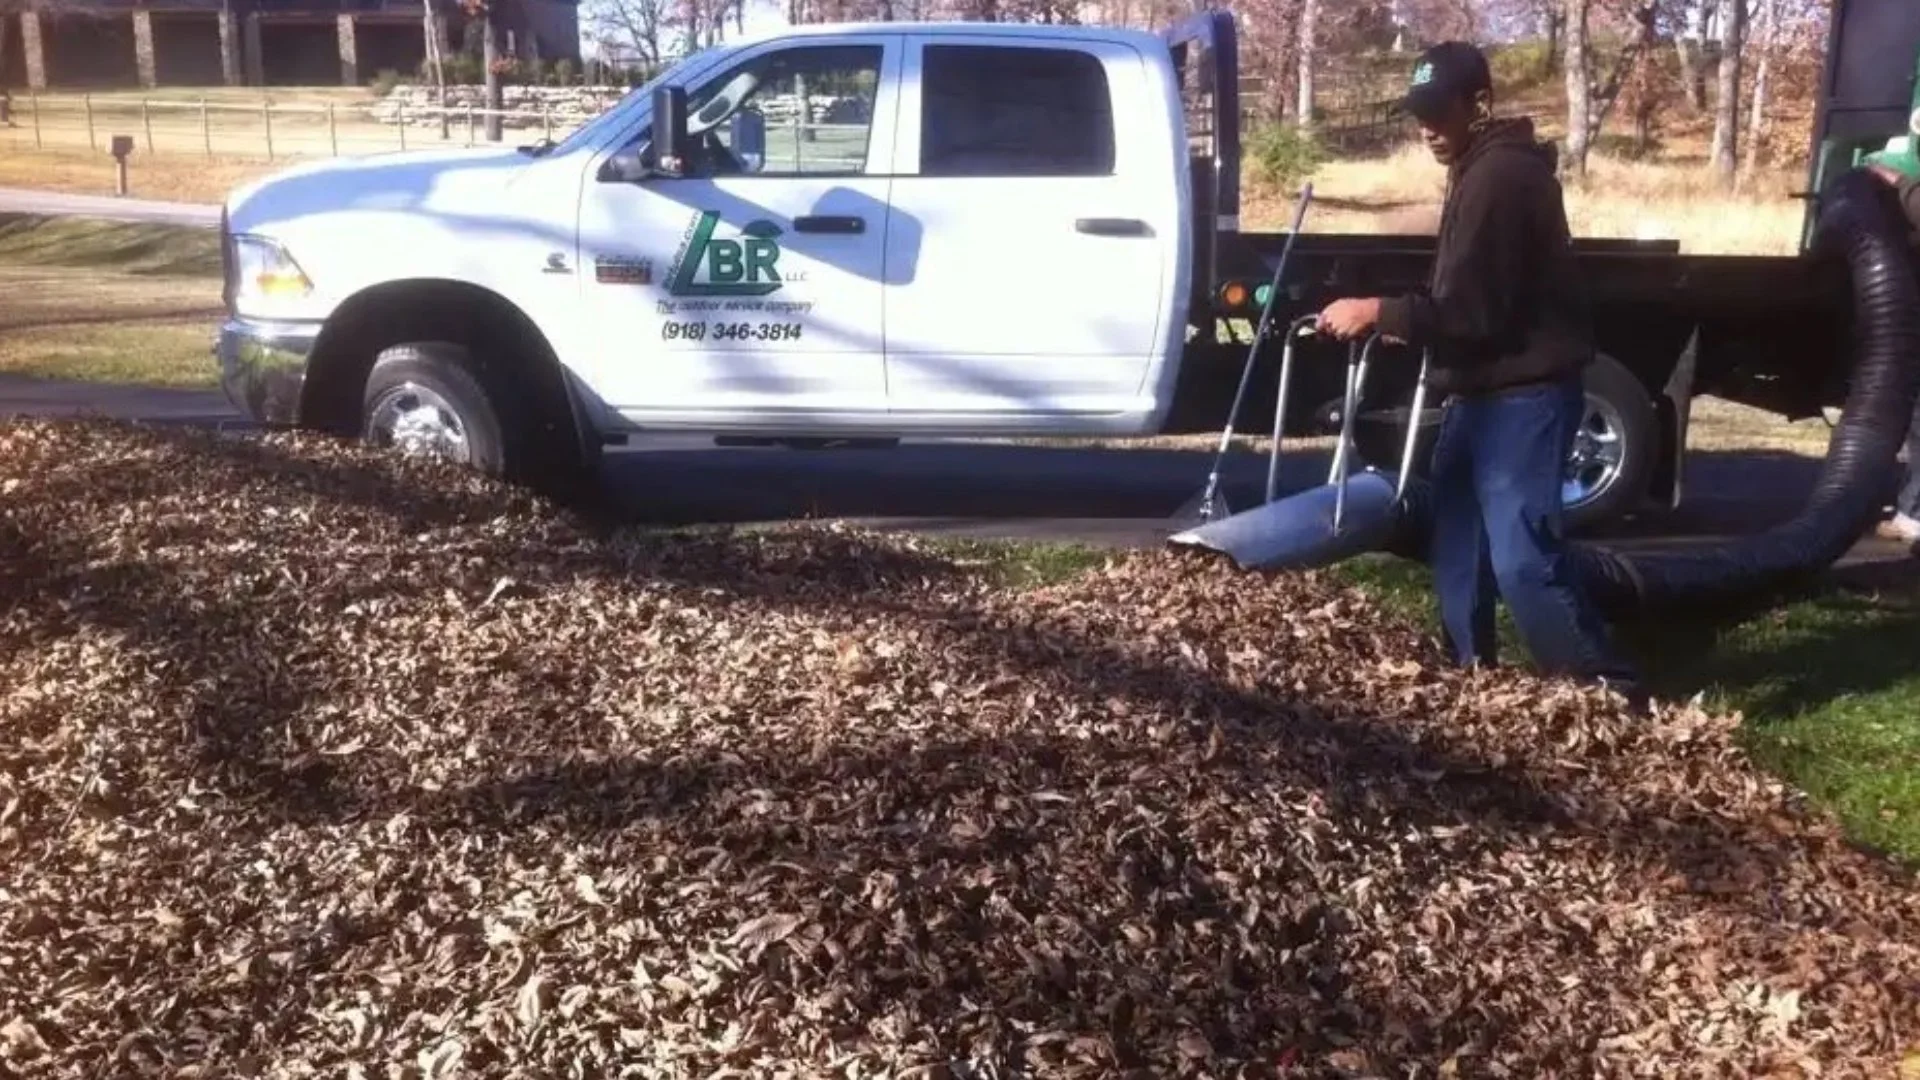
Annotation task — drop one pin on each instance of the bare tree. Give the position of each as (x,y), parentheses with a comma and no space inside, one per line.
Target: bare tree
(1307,57)
(1766,18)
(1726,111)
(436,48)
(488,13)
(639,25)
(1689,41)
(1579,79)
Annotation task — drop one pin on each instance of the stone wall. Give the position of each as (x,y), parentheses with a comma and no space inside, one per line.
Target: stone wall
(570,106)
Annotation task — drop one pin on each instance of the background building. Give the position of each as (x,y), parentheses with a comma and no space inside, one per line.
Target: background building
(253,42)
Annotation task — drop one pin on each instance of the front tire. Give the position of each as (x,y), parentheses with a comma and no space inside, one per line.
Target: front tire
(424,399)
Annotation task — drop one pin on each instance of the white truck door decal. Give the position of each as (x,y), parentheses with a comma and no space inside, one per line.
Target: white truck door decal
(752,288)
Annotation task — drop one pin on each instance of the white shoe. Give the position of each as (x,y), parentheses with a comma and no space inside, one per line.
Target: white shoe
(1899,527)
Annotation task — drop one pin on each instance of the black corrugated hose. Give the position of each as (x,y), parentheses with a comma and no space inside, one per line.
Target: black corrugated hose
(1859,224)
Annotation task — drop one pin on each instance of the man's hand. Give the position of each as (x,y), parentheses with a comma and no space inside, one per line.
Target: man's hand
(1351,318)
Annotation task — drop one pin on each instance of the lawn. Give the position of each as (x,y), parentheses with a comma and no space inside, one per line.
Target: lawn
(108,301)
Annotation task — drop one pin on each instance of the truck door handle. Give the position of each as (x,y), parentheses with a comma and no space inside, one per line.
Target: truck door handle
(830,223)
(1107,226)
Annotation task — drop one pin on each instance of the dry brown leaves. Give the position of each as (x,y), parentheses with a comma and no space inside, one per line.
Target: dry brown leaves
(317,764)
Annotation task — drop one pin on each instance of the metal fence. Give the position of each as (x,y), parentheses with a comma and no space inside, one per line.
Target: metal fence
(227,127)
(232,126)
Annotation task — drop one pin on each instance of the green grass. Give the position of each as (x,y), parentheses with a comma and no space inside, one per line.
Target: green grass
(103,301)
(171,353)
(1022,565)
(140,248)
(1827,684)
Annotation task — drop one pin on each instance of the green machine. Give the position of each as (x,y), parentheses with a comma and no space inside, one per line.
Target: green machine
(1869,108)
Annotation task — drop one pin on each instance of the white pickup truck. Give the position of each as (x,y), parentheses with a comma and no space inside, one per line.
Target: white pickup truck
(854,231)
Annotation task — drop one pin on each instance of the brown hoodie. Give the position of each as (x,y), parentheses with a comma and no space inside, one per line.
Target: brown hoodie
(1504,306)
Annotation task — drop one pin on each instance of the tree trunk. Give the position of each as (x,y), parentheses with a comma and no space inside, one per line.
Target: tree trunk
(1693,76)
(436,62)
(1550,59)
(1726,107)
(1764,28)
(1579,111)
(1303,103)
(489,58)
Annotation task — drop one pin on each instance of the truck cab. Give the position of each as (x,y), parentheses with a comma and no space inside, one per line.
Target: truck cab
(858,230)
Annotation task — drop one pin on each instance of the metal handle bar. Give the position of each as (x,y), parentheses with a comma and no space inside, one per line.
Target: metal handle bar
(1253,352)
(1356,384)
(1303,326)
(1413,426)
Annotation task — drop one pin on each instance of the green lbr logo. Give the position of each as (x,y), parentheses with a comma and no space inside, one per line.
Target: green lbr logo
(748,266)
(1423,74)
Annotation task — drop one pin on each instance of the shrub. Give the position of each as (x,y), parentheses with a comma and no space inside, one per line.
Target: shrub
(1280,156)
(387,81)
(1518,67)
(463,69)
(564,73)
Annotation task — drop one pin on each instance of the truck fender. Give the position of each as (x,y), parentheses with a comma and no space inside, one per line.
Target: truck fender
(393,312)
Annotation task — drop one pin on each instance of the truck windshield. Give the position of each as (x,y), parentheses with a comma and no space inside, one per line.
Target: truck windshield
(615,115)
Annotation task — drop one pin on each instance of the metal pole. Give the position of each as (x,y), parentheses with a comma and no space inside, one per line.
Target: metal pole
(33,102)
(1356,390)
(546,117)
(1413,426)
(403,125)
(469,124)
(206,128)
(266,114)
(146,121)
(333,134)
(1299,328)
(87,101)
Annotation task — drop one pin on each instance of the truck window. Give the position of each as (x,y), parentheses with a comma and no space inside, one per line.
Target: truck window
(812,106)
(1014,111)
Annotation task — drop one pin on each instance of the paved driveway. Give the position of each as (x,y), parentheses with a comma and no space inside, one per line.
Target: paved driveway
(61,204)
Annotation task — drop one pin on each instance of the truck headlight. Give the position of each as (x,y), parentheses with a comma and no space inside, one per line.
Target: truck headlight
(265,275)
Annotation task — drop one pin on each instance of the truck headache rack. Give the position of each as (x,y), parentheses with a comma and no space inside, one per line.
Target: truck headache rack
(1206,58)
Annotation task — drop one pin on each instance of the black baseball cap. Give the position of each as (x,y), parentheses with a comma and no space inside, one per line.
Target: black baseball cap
(1449,71)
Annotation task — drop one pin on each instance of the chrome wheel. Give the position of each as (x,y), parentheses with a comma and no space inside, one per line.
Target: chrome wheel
(417,421)
(1598,456)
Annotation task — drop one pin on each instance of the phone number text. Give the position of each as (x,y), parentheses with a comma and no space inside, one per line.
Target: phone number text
(729,331)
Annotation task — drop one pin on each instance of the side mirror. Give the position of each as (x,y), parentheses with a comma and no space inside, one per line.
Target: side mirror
(666,148)
(749,138)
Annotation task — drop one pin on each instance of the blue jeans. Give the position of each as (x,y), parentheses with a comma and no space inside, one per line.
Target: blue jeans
(1909,501)
(1497,469)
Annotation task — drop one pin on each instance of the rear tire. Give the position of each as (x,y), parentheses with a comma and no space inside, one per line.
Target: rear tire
(1614,451)
(1613,457)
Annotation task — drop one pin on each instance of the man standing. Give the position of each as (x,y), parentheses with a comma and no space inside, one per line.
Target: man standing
(1901,171)
(1508,322)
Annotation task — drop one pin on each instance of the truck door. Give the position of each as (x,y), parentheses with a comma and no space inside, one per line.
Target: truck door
(748,290)
(1032,247)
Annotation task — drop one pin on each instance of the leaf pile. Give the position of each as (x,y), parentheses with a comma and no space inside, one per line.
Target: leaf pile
(315,763)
